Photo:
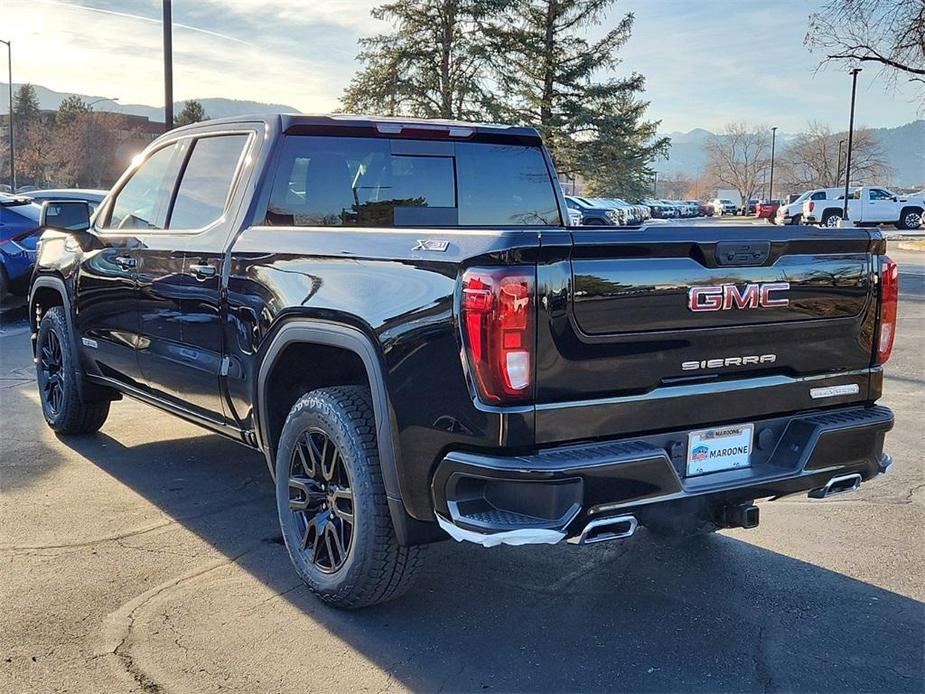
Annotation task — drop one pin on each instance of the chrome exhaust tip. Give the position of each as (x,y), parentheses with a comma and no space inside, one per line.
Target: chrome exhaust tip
(837,485)
(604,529)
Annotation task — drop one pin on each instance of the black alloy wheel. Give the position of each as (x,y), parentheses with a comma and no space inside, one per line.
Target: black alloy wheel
(51,373)
(321,501)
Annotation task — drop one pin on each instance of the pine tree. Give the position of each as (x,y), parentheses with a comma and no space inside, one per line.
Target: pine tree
(26,104)
(431,66)
(70,108)
(546,73)
(193,112)
(26,119)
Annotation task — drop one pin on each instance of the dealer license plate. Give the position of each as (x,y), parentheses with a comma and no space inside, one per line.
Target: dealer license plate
(723,448)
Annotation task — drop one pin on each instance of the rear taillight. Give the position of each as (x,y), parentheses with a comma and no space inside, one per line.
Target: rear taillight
(812,206)
(889,300)
(497,322)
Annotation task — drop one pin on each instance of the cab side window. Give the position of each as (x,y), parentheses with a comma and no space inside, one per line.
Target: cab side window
(879,194)
(206,181)
(143,201)
(818,196)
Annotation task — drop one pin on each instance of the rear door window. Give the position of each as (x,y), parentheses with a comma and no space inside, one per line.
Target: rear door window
(206,182)
(368,182)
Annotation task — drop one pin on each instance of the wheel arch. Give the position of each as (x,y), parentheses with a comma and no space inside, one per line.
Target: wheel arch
(45,293)
(322,333)
(48,291)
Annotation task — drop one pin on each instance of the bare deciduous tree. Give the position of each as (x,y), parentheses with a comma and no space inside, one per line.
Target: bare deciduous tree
(674,187)
(812,160)
(890,33)
(85,149)
(34,158)
(739,157)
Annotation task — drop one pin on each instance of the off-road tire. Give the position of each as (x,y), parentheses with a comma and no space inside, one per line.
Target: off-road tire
(377,568)
(72,416)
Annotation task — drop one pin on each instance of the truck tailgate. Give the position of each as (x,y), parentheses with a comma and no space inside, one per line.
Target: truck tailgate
(679,326)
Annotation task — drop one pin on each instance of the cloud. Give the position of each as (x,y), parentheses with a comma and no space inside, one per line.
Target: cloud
(704,63)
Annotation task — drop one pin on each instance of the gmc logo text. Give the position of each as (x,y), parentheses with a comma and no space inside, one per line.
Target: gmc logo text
(727,296)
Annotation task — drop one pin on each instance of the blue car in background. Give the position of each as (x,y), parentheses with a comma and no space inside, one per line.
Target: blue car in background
(19,226)
(19,231)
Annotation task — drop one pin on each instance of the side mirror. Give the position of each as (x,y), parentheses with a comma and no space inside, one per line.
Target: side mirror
(895,198)
(66,215)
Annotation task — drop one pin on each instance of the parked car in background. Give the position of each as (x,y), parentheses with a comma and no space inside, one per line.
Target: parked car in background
(90,196)
(766,209)
(19,224)
(592,215)
(868,205)
(792,212)
(706,209)
(657,209)
(624,213)
(674,210)
(723,206)
(635,213)
(749,208)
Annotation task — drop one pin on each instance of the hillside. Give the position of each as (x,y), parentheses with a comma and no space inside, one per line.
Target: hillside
(904,146)
(215,107)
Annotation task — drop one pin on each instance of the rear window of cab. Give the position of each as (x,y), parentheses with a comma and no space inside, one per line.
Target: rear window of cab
(382,182)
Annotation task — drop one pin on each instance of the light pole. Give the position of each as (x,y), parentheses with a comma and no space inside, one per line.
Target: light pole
(168,67)
(854,86)
(838,167)
(9,63)
(771,184)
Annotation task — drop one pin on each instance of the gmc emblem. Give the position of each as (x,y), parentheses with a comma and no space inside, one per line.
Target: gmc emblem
(727,296)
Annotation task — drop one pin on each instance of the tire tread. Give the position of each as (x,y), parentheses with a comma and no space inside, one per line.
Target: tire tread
(390,568)
(76,417)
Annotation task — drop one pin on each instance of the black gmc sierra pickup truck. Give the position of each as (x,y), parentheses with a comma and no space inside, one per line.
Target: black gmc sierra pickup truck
(395,313)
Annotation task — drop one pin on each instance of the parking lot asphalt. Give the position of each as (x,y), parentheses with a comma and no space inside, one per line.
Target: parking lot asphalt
(148,558)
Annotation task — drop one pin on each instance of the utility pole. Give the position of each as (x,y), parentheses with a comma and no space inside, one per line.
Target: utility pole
(9,63)
(771,184)
(854,86)
(655,186)
(838,167)
(168,67)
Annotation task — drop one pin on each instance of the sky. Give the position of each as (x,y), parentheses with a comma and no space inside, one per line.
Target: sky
(706,63)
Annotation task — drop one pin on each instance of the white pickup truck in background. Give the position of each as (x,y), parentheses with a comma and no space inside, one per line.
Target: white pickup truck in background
(792,213)
(867,205)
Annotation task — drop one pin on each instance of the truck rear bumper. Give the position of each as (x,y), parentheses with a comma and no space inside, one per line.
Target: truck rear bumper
(558,493)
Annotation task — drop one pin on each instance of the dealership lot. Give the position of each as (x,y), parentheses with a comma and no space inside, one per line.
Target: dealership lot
(148,558)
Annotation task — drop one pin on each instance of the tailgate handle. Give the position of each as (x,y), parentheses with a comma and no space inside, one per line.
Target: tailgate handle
(738,253)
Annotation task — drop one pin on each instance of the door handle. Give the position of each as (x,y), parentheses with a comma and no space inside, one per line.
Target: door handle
(125,261)
(202,270)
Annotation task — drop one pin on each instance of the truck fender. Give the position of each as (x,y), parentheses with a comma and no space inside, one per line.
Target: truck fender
(320,332)
(85,391)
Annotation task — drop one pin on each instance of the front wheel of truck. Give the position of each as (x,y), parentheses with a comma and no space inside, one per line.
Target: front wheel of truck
(56,374)
(332,504)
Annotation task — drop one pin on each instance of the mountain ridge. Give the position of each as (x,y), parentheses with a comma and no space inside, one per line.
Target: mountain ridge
(903,145)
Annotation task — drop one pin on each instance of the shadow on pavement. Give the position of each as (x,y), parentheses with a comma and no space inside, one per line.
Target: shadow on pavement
(715,614)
